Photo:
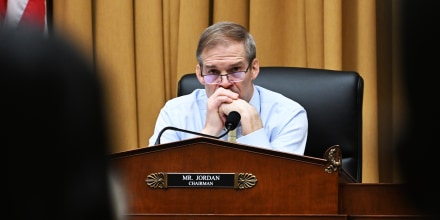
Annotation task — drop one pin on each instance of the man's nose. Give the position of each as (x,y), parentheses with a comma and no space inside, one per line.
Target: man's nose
(224,80)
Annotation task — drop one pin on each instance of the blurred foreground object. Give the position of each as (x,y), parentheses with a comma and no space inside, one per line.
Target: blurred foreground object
(53,123)
(417,144)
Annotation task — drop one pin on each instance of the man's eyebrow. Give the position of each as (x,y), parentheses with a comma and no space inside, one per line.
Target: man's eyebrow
(210,66)
(239,63)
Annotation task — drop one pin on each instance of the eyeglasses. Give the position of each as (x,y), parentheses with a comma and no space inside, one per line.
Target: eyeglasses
(237,76)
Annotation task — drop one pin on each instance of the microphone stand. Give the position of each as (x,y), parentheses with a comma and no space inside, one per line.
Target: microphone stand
(231,123)
(191,132)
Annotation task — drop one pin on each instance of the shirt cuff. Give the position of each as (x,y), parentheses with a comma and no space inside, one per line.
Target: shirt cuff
(257,138)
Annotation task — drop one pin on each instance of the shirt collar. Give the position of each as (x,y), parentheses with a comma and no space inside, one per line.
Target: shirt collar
(255,100)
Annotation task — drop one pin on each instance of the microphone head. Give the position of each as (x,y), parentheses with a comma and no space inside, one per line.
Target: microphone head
(232,120)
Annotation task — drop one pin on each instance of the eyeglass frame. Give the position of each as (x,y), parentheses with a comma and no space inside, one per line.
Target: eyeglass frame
(227,76)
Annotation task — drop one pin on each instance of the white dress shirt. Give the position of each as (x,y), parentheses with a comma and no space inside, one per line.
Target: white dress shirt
(284,120)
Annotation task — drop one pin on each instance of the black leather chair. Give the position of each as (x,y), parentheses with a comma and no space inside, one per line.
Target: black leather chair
(333,101)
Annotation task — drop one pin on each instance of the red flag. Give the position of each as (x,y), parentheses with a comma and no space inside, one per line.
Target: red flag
(3,5)
(20,13)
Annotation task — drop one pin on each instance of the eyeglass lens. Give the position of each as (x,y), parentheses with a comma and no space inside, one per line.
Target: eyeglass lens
(232,77)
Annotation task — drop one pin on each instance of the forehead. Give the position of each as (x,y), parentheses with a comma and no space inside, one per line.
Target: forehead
(224,54)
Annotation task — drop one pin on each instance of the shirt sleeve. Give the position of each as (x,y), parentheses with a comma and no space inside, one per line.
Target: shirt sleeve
(285,123)
(185,113)
(289,137)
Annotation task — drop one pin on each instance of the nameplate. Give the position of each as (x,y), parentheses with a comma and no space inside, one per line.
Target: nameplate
(163,180)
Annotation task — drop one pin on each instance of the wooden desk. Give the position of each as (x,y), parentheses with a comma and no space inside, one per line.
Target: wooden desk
(286,186)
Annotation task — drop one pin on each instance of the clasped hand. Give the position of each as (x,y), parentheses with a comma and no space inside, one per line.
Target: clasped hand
(220,104)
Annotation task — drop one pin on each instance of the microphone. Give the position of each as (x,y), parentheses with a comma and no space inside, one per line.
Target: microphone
(231,123)
(232,120)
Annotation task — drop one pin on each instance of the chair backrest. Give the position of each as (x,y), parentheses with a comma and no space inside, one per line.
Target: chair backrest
(333,101)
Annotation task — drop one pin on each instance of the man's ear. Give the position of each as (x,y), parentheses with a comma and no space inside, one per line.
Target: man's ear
(255,68)
(199,74)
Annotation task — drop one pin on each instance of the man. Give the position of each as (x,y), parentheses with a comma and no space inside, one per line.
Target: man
(227,66)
